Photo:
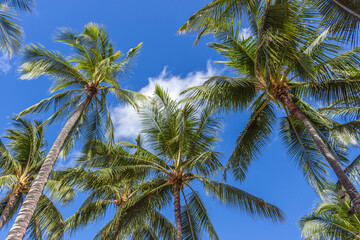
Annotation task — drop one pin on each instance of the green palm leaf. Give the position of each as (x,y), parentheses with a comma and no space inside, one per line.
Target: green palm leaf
(10,33)
(329,219)
(253,139)
(242,200)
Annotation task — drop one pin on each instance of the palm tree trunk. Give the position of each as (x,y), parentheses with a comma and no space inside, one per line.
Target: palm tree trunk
(295,111)
(27,210)
(9,205)
(177,210)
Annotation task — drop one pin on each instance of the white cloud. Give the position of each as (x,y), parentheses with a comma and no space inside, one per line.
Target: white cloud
(245,33)
(5,64)
(126,121)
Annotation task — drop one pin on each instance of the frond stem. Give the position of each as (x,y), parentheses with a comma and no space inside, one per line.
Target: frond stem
(188,213)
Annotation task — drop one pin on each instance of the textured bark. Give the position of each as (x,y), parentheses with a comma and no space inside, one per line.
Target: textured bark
(32,198)
(177,210)
(9,205)
(344,180)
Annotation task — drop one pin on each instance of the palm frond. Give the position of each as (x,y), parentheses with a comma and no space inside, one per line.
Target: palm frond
(60,192)
(242,200)
(49,218)
(304,152)
(253,138)
(23,5)
(86,214)
(239,51)
(195,214)
(10,33)
(353,170)
(342,16)
(215,16)
(223,93)
(329,219)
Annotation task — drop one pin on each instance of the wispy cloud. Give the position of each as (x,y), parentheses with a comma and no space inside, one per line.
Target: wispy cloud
(5,64)
(245,33)
(126,121)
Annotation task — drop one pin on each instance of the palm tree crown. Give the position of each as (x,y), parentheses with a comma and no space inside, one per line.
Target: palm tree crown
(93,70)
(182,138)
(290,61)
(331,218)
(20,163)
(110,185)
(81,85)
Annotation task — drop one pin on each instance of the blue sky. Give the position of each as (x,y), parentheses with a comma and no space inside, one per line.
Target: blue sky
(174,62)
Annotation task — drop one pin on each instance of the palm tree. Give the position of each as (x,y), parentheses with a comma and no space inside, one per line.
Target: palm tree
(334,217)
(81,85)
(20,163)
(182,138)
(289,62)
(133,219)
(137,204)
(331,218)
(11,33)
